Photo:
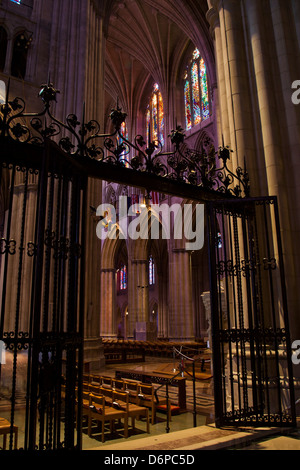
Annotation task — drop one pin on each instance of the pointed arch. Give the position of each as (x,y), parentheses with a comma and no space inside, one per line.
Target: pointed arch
(19,55)
(3,47)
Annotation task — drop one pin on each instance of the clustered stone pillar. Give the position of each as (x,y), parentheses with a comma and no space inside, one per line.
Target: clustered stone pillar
(108,291)
(181,321)
(21,260)
(138,303)
(257,117)
(257,51)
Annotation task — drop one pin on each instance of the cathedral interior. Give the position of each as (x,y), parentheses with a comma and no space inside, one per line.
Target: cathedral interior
(148,217)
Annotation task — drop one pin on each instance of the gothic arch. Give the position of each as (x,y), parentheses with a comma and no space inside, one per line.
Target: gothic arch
(21,43)
(204,140)
(109,249)
(3,46)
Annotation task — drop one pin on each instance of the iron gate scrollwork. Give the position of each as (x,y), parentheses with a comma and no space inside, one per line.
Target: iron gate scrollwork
(253,376)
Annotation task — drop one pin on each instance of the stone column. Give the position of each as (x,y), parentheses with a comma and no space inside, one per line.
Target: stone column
(287,49)
(295,5)
(139,304)
(9,52)
(181,321)
(92,76)
(14,261)
(162,280)
(222,116)
(279,125)
(235,87)
(108,327)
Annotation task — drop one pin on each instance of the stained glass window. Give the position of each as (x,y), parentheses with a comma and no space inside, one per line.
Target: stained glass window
(204,90)
(196,95)
(151,271)
(219,240)
(123,277)
(124,132)
(188,110)
(155,117)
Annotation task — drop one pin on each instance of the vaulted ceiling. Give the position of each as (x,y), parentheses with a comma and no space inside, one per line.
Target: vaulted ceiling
(149,41)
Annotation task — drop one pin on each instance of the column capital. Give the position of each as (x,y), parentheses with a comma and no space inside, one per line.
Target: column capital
(213,19)
(216,4)
(179,250)
(108,270)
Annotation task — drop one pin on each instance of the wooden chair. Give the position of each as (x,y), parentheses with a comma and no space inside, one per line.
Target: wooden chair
(118,384)
(121,401)
(85,386)
(94,388)
(5,429)
(101,413)
(132,389)
(106,382)
(95,379)
(86,378)
(85,404)
(107,393)
(147,398)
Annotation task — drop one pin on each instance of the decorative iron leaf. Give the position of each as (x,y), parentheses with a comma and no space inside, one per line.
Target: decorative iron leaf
(66,144)
(19,130)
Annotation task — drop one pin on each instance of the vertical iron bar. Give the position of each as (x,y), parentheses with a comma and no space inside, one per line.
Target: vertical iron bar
(285,314)
(29,369)
(248,261)
(254,278)
(194,397)
(44,405)
(167,397)
(7,236)
(72,309)
(217,370)
(81,309)
(43,188)
(264,347)
(55,297)
(56,293)
(61,239)
(235,317)
(223,352)
(48,258)
(18,300)
(273,317)
(226,268)
(241,315)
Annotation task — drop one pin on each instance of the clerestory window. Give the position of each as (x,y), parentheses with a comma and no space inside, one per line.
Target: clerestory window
(196,94)
(155,117)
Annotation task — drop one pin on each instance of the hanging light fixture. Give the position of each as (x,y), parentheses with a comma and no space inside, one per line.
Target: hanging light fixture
(142,201)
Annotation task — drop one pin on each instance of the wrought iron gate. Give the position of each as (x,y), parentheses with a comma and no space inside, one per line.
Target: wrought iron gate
(253,377)
(41,296)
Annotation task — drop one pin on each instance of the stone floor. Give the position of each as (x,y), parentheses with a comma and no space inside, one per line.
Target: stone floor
(182,433)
